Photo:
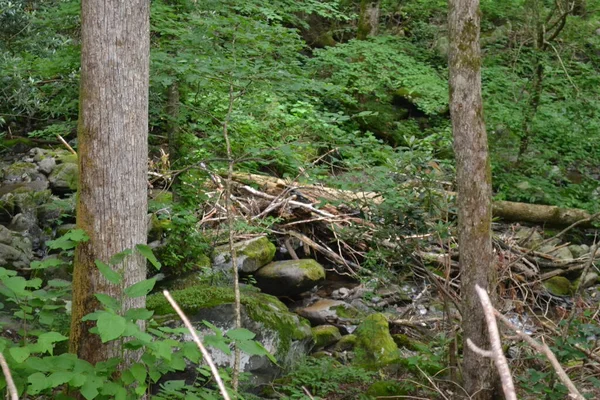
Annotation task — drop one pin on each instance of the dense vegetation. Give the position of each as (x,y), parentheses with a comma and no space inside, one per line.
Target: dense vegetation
(301,95)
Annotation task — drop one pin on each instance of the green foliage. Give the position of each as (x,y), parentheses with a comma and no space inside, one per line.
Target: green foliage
(40,366)
(324,376)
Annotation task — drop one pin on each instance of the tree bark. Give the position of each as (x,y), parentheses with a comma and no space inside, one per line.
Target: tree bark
(113,150)
(173,131)
(473,176)
(368,20)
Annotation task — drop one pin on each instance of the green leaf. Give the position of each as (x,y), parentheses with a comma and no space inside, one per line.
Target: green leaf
(141,288)
(108,301)
(46,341)
(20,354)
(138,313)
(240,334)
(146,251)
(110,326)
(89,390)
(37,383)
(119,257)
(108,273)
(69,240)
(218,343)
(60,378)
(254,348)
(49,262)
(138,371)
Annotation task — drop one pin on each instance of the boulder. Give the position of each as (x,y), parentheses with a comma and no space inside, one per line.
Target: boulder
(63,178)
(375,346)
(251,255)
(282,333)
(578,250)
(326,311)
(325,335)
(290,277)
(528,237)
(15,249)
(559,286)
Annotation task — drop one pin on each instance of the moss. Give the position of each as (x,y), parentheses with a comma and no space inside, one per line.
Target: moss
(375,346)
(17,142)
(559,286)
(346,343)
(408,343)
(346,312)
(67,158)
(325,335)
(260,307)
(261,249)
(16,170)
(387,388)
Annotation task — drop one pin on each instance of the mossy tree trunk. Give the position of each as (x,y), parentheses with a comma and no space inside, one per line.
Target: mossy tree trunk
(368,19)
(474,189)
(113,151)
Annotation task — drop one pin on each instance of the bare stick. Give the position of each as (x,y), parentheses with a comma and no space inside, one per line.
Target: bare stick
(203,350)
(496,352)
(10,384)
(543,348)
(63,141)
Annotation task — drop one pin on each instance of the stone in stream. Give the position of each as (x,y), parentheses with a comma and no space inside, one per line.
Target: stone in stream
(289,278)
(251,255)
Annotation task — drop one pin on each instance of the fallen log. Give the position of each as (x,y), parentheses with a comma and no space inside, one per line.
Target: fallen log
(506,210)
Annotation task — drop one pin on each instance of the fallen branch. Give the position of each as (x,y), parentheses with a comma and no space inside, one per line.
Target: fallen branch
(203,350)
(496,351)
(10,383)
(543,348)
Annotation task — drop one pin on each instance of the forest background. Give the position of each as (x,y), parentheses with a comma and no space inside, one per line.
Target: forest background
(371,106)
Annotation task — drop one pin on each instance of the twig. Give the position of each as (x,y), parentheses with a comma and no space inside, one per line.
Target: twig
(496,351)
(543,348)
(203,350)
(63,141)
(10,383)
(559,234)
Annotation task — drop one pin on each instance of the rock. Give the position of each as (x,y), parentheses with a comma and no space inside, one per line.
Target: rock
(374,345)
(346,343)
(562,253)
(63,178)
(282,333)
(251,255)
(589,280)
(406,342)
(528,237)
(289,278)
(558,286)
(391,389)
(578,250)
(15,249)
(328,311)
(46,166)
(21,172)
(325,335)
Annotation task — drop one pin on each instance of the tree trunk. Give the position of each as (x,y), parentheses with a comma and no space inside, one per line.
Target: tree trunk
(173,131)
(368,20)
(473,176)
(113,151)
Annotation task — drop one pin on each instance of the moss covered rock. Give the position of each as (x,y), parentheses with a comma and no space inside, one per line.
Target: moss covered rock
(325,335)
(374,345)
(346,343)
(285,335)
(289,278)
(63,178)
(387,389)
(559,286)
(251,255)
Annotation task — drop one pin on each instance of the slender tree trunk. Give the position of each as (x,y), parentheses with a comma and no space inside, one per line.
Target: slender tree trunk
(113,151)
(368,20)
(173,130)
(474,188)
